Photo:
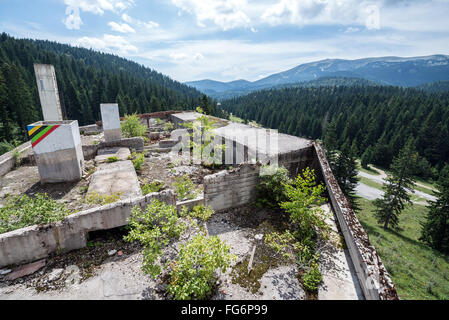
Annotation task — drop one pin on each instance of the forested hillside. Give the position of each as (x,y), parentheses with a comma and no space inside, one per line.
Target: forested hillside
(86,78)
(378,120)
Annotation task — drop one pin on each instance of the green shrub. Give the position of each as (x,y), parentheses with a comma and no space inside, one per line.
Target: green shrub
(200,212)
(282,243)
(192,276)
(169,126)
(131,127)
(112,159)
(304,198)
(96,198)
(154,228)
(308,221)
(271,187)
(185,189)
(138,159)
(24,211)
(312,278)
(154,186)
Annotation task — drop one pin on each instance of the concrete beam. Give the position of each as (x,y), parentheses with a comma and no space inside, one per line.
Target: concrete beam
(48,92)
(111,121)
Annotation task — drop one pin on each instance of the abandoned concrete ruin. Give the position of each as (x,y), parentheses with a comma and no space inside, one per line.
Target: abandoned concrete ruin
(60,150)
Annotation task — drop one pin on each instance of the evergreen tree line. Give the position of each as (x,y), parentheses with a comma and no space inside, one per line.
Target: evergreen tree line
(375,122)
(85,78)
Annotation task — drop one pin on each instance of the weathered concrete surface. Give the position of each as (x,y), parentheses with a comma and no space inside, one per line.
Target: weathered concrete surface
(105,153)
(111,121)
(48,92)
(59,155)
(225,190)
(117,177)
(8,161)
(37,242)
(61,166)
(371,272)
(117,279)
(339,277)
(189,204)
(281,284)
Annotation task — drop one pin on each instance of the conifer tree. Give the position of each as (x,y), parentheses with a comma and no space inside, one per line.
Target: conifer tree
(397,188)
(435,229)
(345,171)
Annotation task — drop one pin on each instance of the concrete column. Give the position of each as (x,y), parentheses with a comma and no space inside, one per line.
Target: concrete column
(57,149)
(110,117)
(48,92)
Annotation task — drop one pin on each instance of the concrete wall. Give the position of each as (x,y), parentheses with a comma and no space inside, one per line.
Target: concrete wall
(371,272)
(48,92)
(58,153)
(91,129)
(7,160)
(37,242)
(225,189)
(111,121)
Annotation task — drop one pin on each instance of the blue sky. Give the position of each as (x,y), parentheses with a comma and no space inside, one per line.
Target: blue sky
(234,39)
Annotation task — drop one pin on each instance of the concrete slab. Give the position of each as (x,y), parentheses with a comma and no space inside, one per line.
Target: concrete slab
(339,277)
(122,154)
(282,284)
(115,280)
(116,177)
(263,141)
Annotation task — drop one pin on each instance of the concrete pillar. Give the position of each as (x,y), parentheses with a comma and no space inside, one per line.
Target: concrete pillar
(111,121)
(48,92)
(57,149)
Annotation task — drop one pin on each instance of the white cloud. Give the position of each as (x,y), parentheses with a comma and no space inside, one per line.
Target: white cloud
(127,18)
(318,12)
(227,14)
(109,43)
(73,19)
(178,56)
(138,23)
(351,29)
(121,27)
(151,24)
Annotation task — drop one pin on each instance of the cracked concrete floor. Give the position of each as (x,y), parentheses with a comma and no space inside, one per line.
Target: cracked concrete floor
(114,280)
(121,277)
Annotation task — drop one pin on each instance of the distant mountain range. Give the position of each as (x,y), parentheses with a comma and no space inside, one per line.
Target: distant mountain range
(396,71)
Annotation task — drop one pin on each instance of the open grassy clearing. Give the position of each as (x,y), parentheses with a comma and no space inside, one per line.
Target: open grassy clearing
(418,271)
(371,169)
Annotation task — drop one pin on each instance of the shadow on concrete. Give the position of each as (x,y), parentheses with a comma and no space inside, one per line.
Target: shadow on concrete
(54,190)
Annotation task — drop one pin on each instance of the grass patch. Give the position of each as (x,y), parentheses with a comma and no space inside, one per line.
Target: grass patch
(419,272)
(102,199)
(112,159)
(23,211)
(154,186)
(371,169)
(235,119)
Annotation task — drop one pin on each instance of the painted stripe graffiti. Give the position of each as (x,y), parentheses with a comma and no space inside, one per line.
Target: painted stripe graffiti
(39,133)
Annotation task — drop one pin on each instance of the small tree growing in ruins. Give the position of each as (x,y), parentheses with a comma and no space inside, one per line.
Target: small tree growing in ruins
(132,127)
(202,140)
